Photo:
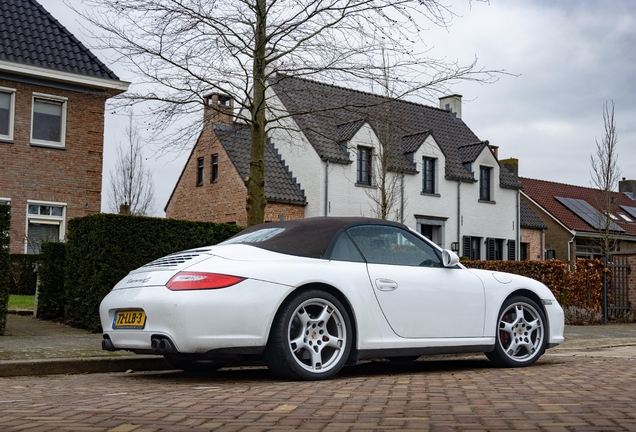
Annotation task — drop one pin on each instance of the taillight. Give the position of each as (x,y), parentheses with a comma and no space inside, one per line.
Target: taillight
(201,281)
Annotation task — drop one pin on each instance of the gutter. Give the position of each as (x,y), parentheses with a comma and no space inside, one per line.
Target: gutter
(459,213)
(327,187)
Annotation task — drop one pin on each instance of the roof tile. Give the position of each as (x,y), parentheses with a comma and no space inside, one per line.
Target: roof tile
(33,36)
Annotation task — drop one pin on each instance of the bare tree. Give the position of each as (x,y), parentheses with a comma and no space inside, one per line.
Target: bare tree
(131,181)
(605,176)
(386,198)
(186,49)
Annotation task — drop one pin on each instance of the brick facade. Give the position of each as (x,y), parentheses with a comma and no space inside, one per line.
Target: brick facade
(71,175)
(534,239)
(224,200)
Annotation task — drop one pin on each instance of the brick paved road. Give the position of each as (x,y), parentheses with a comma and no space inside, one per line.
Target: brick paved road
(557,394)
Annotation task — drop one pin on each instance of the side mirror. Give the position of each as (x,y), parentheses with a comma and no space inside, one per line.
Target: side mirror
(449,258)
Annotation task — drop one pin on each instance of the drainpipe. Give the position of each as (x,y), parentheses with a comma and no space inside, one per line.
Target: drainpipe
(327,188)
(570,251)
(459,214)
(517,249)
(402,198)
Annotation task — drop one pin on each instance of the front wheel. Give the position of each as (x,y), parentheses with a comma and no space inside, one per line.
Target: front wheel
(520,334)
(310,338)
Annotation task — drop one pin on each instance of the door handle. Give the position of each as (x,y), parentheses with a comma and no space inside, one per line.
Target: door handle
(386,284)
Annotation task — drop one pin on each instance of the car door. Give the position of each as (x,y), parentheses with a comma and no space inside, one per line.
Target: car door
(419,297)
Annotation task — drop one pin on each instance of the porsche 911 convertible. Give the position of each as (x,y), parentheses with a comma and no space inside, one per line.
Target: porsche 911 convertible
(309,296)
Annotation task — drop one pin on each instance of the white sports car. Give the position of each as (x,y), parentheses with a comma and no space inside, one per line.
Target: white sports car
(309,296)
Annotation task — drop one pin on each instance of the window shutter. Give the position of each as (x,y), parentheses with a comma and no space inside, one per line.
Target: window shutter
(490,249)
(466,252)
(512,250)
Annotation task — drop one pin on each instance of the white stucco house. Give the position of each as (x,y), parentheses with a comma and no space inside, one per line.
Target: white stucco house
(447,183)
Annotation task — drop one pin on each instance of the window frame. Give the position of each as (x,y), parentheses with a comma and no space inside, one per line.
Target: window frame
(45,219)
(364,157)
(11,120)
(215,168)
(485,183)
(429,165)
(200,171)
(63,101)
(469,243)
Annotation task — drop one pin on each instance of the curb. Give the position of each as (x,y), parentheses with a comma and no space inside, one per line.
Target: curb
(13,368)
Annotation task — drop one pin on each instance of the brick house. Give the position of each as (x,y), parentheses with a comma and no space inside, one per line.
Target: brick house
(326,148)
(573,216)
(53,92)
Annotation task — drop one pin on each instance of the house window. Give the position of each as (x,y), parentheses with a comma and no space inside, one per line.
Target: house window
(523,251)
(432,228)
(48,124)
(215,168)
(472,248)
(45,223)
(494,249)
(7,109)
(200,171)
(364,165)
(428,175)
(484,183)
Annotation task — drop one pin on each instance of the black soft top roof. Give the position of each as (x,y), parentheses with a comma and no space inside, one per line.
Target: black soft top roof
(309,237)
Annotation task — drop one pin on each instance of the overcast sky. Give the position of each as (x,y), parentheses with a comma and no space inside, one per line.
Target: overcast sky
(569,57)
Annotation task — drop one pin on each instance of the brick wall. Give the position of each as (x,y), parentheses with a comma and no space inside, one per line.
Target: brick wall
(72,175)
(221,201)
(556,237)
(533,237)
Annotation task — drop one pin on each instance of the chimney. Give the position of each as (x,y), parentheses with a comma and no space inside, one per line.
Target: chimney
(628,187)
(219,109)
(512,165)
(124,209)
(452,103)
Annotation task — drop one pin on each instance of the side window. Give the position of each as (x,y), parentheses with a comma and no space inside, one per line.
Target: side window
(49,120)
(7,109)
(392,245)
(345,250)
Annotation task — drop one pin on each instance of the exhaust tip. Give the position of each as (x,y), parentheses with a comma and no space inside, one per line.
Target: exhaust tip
(162,345)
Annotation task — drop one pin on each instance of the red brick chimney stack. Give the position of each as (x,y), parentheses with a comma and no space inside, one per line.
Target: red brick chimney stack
(219,109)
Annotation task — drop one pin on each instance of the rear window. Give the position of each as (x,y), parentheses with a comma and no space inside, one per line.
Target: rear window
(255,236)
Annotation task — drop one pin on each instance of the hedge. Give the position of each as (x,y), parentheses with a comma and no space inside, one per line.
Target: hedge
(580,286)
(102,249)
(23,277)
(51,294)
(5,268)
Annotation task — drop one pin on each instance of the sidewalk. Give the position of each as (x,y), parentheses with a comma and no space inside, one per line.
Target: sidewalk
(35,347)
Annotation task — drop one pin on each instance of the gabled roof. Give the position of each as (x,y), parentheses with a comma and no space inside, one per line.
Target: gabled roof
(318,109)
(528,218)
(31,36)
(550,196)
(280,186)
(346,131)
(469,153)
(412,143)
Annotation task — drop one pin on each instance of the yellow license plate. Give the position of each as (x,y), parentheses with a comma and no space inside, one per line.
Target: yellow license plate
(129,319)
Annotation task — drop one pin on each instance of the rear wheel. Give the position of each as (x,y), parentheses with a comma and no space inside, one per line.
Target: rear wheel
(310,338)
(520,335)
(192,365)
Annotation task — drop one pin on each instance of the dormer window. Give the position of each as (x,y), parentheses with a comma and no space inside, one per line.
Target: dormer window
(364,166)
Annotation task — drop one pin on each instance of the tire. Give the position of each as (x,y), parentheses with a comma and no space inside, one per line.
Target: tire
(191,365)
(310,337)
(521,332)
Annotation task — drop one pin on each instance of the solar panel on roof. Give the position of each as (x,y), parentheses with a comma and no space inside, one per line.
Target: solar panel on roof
(589,214)
(630,210)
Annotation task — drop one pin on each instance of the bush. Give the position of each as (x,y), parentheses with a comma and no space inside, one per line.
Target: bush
(23,276)
(102,249)
(580,286)
(5,268)
(51,293)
